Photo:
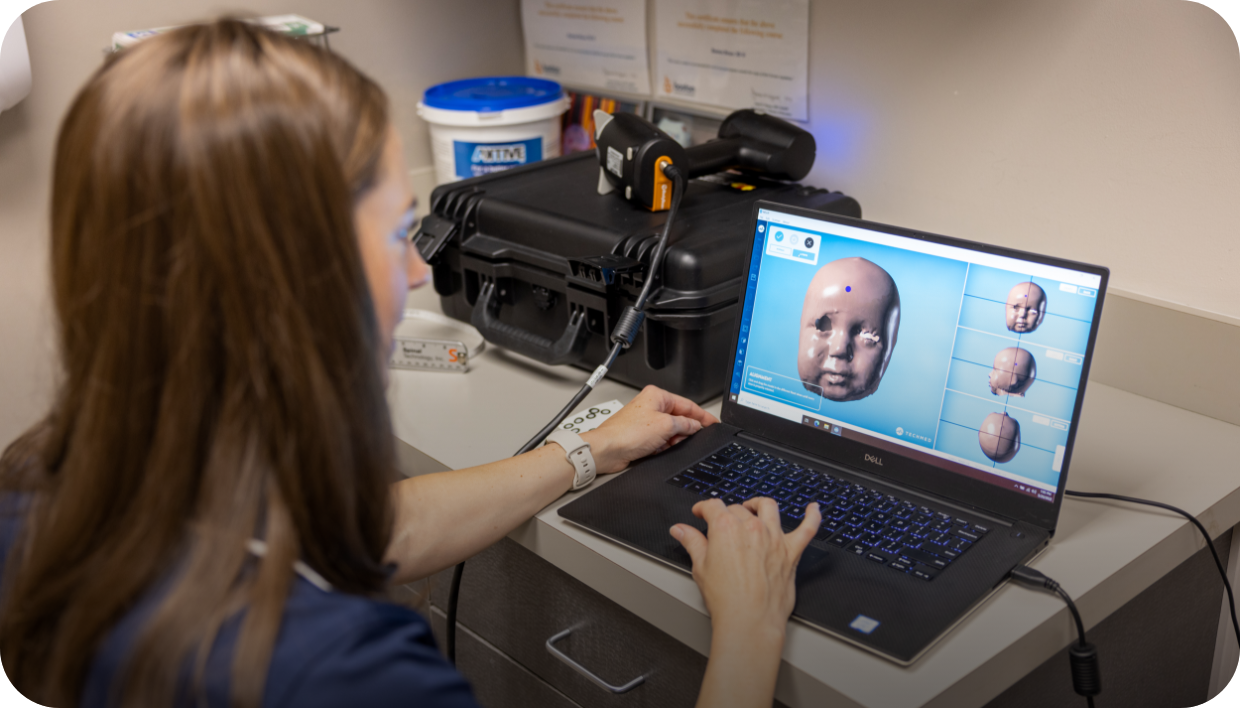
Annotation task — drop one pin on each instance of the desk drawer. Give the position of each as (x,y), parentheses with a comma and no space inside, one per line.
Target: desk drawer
(516,601)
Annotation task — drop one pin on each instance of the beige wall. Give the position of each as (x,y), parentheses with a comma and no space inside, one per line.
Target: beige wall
(407,45)
(1101,130)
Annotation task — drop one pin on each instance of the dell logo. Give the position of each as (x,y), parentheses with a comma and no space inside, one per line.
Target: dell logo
(873,459)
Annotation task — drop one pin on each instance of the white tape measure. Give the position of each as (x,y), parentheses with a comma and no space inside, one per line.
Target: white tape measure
(428,340)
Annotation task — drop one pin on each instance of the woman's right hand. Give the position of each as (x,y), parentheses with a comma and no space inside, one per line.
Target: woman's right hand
(746,571)
(747,566)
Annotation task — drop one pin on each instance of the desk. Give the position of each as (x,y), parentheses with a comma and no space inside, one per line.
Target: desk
(1103,554)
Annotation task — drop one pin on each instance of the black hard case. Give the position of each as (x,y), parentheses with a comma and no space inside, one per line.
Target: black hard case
(550,243)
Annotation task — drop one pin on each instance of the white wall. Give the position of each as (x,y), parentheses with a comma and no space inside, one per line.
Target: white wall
(406,45)
(1101,130)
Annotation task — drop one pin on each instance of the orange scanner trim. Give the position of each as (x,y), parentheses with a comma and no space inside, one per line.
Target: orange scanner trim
(661,200)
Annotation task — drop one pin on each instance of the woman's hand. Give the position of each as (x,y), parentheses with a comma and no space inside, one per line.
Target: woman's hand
(651,422)
(746,572)
(746,568)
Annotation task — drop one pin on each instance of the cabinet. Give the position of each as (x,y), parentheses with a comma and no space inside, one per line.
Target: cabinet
(512,602)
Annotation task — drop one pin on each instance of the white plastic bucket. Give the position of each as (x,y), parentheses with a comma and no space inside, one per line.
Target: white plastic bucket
(486,125)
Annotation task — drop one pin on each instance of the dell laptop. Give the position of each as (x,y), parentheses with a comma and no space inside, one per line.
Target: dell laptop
(924,390)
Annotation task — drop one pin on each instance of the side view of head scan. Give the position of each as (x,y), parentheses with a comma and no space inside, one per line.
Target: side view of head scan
(999,437)
(1014,372)
(849,324)
(1026,306)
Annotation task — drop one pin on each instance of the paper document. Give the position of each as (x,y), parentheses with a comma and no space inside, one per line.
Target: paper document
(600,44)
(735,54)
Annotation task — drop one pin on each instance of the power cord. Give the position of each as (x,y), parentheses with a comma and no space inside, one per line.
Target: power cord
(1083,656)
(1231,599)
(622,338)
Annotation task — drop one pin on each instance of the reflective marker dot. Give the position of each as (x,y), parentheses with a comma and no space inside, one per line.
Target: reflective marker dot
(847,288)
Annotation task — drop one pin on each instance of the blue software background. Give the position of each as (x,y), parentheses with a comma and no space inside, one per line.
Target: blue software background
(911,391)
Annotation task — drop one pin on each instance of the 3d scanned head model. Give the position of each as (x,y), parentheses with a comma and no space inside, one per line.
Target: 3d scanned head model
(848,329)
(1014,372)
(999,437)
(1026,306)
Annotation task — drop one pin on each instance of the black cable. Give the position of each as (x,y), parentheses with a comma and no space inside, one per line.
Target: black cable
(1082,656)
(622,337)
(1231,599)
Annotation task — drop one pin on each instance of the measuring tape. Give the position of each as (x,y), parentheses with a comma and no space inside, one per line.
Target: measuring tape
(428,340)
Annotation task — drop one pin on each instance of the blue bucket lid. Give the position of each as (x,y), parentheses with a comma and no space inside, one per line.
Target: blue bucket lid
(494,93)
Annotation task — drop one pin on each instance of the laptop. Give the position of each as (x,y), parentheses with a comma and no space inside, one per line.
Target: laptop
(924,390)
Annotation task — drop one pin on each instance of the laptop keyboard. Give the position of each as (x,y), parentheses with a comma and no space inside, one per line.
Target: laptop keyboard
(884,529)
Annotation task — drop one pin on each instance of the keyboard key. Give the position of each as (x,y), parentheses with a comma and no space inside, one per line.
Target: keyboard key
(943,516)
(960,522)
(697,487)
(840,540)
(873,526)
(714,493)
(959,544)
(800,500)
(949,553)
(727,486)
(703,475)
(709,466)
(919,556)
(876,558)
(899,565)
(732,474)
(870,539)
(731,499)
(966,535)
(981,530)
(854,521)
(859,549)
(680,480)
(824,533)
(924,573)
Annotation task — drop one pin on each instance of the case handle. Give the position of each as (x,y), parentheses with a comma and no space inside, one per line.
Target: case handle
(586,672)
(565,350)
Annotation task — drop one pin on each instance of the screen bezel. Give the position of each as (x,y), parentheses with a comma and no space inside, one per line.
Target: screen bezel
(923,476)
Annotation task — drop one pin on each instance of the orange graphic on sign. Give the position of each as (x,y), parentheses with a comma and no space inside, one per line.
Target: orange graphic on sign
(667,84)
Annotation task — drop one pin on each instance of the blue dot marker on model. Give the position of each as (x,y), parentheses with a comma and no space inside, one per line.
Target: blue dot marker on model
(847,288)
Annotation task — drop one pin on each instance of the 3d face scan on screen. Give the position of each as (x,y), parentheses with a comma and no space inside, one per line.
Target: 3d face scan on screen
(999,437)
(849,324)
(904,344)
(1026,306)
(1014,372)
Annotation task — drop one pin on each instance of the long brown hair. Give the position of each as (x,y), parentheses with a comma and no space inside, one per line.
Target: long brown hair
(220,362)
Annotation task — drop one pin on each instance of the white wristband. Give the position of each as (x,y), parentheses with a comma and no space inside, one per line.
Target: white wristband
(578,453)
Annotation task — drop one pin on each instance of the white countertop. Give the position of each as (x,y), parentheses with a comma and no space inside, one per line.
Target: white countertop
(1103,553)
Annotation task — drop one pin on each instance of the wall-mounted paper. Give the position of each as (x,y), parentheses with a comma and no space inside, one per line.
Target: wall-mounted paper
(600,44)
(734,53)
(14,66)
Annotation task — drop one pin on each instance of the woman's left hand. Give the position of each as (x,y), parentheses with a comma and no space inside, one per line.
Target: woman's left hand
(651,422)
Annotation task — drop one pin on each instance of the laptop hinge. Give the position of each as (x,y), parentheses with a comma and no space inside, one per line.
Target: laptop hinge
(869,477)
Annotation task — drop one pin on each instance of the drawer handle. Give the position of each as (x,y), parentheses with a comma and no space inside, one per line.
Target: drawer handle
(586,672)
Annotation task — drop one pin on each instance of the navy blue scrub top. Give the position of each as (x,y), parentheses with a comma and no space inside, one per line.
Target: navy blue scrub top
(333,649)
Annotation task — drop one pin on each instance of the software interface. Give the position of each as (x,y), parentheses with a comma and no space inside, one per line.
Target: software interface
(968,361)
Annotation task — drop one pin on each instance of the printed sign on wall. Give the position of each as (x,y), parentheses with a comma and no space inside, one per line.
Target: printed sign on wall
(599,44)
(735,53)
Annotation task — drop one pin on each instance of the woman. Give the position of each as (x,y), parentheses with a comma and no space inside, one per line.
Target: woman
(205,515)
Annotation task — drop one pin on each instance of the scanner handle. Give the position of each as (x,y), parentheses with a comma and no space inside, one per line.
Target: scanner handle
(568,349)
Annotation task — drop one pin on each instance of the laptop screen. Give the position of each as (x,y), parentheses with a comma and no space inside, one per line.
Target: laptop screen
(959,358)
